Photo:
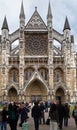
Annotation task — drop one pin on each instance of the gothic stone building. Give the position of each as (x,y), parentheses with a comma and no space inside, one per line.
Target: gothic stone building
(37,68)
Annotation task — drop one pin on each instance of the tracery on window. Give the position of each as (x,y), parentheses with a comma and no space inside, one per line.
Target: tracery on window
(14,75)
(36,45)
(58,75)
(28,73)
(44,73)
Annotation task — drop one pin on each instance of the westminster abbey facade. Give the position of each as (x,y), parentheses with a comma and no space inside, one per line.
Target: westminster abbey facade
(36,69)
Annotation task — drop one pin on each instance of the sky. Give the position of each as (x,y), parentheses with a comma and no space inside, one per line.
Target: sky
(60,9)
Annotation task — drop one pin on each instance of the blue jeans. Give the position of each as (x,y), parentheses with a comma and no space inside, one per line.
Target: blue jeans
(4,125)
(0,125)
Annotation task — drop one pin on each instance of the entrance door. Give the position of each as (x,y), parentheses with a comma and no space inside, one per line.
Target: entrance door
(12,95)
(34,98)
(36,91)
(39,97)
(58,97)
(60,94)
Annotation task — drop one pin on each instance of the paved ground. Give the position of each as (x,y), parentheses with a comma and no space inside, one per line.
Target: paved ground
(71,125)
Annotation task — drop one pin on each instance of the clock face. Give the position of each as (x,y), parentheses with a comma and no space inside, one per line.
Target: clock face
(36,45)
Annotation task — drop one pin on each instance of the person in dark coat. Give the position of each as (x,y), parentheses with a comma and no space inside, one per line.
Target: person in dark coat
(66,115)
(42,108)
(12,117)
(61,112)
(4,118)
(74,114)
(23,114)
(16,108)
(36,114)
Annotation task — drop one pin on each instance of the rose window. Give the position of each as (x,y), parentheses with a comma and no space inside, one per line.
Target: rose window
(36,45)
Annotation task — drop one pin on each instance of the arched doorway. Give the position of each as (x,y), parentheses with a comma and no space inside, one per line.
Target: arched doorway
(36,91)
(60,94)
(12,95)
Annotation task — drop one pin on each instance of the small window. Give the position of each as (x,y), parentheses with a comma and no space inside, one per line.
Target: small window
(46,75)
(57,77)
(14,76)
(26,75)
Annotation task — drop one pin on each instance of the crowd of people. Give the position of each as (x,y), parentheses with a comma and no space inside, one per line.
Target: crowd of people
(11,113)
(58,114)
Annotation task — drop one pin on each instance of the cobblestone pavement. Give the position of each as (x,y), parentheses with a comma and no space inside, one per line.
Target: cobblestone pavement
(71,125)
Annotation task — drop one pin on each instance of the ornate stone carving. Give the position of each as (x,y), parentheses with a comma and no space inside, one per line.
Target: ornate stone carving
(36,45)
(36,22)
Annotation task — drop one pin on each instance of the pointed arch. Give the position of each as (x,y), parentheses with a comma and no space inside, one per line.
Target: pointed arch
(37,77)
(12,94)
(12,90)
(36,90)
(13,85)
(60,93)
